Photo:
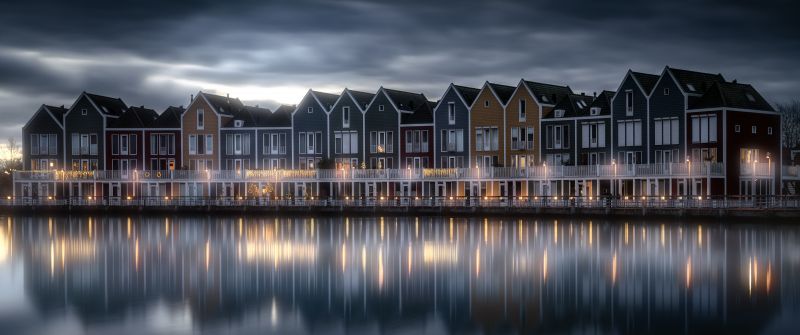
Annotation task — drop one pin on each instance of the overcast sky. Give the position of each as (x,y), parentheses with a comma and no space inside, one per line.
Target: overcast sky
(156,53)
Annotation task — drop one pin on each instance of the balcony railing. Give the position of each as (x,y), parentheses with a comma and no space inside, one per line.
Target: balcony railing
(542,172)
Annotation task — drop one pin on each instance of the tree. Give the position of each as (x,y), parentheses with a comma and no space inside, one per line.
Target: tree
(790,112)
(12,147)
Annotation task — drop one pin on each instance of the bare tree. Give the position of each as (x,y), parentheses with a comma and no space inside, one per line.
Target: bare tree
(12,147)
(790,112)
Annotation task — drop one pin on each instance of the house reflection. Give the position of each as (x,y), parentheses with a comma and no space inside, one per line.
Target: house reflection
(470,274)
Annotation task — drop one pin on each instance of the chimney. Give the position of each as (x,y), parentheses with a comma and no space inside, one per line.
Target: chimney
(734,81)
(62,106)
(595,94)
(583,94)
(191,98)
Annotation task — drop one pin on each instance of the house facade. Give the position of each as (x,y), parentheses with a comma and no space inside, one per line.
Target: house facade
(451,118)
(43,139)
(274,139)
(200,129)
(84,130)
(530,101)
(347,128)
(162,141)
(310,127)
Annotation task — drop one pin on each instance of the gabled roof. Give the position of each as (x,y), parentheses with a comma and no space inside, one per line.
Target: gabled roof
(648,81)
(170,118)
(326,99)
(223,105)
(56,112)
(469,94)
(693,82)
(134,117)
(503,92)
(572,104)
(108,105)
(732,95)
(602,101)
(422,115)
(405,101)
(281,117)
(361,98)
(248,115)
(547,93)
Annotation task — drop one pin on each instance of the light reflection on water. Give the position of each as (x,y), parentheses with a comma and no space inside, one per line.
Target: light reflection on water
(187,274)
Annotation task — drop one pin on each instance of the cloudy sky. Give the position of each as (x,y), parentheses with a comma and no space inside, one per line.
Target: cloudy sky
(156,53)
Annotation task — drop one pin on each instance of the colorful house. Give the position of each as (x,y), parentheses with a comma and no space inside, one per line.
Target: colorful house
(162,141)
(347,128)
(42,139)
(310,126)
(451,118)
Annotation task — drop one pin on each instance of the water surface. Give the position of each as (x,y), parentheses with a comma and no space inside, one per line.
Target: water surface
(188,274)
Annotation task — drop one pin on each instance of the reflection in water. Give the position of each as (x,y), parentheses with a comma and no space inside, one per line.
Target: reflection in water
(365,275)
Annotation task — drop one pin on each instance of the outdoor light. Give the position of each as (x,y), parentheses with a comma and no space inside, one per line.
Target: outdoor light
(166,198)
(626,198)
(49,198)
(129,198)
(451,198)
(51,164)
(663,198)
(346,198)
(8,197)
(89,197)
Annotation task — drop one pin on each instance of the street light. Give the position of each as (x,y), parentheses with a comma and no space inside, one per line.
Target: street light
(690,182)
(769,174)
(614,181)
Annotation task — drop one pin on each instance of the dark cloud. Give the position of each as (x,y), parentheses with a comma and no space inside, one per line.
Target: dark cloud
(156,53)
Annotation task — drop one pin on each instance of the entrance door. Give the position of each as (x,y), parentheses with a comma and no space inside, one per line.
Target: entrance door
(114,195)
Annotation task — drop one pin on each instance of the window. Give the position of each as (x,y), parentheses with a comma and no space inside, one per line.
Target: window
(522,110)
(84,111)
(486,103)
(593,135)
(559,112)
(737,128)
(769,130)
(594,111)
(132,146)
(486,139)
(34,144)
(452,140)
(629,133)
(310,110)
(557,136)
(93,144)
(380,108)
(666,91)
(346,142)
(192,144)
(690,87)
(754,129)
(629,103)
(381,142)
(451,113)
(209,144)
(346,117)
(123,144)
(201,118)
(750,97)
(238,123)
(666,131)
(704,128)
(521,138)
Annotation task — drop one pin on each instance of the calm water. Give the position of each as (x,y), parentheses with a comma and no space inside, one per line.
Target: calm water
(406,275)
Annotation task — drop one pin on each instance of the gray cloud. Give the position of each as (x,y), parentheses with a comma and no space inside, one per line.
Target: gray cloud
(156,53)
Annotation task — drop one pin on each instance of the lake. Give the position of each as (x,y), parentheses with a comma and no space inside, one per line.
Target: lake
(193,273)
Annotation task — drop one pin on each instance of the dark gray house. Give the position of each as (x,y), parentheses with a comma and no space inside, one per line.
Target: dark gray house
(347,128)
(593,131)
(559,127)
(310,127)
(274,138)
(382,126)
(451,124)
(84,128)
(43,139)
(670,99)
(238,139)
(629,110)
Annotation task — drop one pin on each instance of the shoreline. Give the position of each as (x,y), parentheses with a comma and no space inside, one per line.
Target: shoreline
(737,214)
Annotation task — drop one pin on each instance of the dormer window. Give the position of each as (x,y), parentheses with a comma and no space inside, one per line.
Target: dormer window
(559,113)
(629,103)
(666,91)
(750,97)
(451,113)
(522,114)
(310,110)
(544,99)
(486,103)
(380,108)
(581,104)
(691,87)
(238,123)
(84,111)
(594,111)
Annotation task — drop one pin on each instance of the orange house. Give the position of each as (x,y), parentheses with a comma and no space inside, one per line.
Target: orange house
(487,129)
(200,129)
(524,111)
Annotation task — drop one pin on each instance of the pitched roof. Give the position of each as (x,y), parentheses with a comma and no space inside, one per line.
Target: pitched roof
(503,92)
(56,112)
(108,105)
(694,82)
(732,95)
(572,104)
(249,115)
(170,118)
(223,105)
(406,101)
(134,117)
(602,101)
(326,99)
(281,117)
(648,81)
(468,93)
(547,93)
(422,114)
(362,98)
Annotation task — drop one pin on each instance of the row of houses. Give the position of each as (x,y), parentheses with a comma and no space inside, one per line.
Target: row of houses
(676,117)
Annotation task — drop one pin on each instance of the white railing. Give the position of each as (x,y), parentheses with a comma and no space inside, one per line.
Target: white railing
(471,174)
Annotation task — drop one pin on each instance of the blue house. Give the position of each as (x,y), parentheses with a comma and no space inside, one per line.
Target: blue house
(310,127)
(630,110)
(451,124)
(382,126)
(274,138)
(347,128)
